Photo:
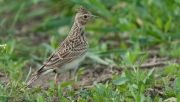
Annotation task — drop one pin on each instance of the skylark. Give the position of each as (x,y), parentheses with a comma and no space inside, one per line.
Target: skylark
(71,51)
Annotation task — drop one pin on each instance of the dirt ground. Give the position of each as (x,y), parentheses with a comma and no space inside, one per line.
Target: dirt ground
(102,74)
(99,73)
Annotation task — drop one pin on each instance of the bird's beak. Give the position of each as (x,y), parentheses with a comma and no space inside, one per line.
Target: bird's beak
(93,16)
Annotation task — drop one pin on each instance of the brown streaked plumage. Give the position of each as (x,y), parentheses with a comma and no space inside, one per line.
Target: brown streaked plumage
(71,51)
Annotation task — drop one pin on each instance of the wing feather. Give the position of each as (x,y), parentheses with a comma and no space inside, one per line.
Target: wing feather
(65,53)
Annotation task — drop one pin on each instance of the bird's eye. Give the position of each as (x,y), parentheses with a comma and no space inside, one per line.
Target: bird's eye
(85,16)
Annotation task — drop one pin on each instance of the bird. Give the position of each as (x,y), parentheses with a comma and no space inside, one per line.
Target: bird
(70,52)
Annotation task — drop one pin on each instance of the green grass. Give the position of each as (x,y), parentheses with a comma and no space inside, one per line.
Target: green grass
(122,36)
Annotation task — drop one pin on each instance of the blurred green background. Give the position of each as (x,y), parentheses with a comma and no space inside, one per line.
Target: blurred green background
(123,24)
(30,30)
(150,23)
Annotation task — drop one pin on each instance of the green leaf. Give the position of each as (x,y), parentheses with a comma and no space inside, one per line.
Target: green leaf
(141,87)
(123,45)
(120,81)
(37,89)
(167,25)
(177,84)
(150,72)
(171,69)
(138,98)
(54,24)
(149,77)
(2,22)
(108,52)
(148,99)
(97,59)
(99,6)
(143,59)
(142,97)
(129,76)
(132,91)
(35,13)
(40,98)
(12,46)
(103,29)
(29,72)
(48,47)
(65,84)
(80,71)
(127,61)
(53,42)
(178,96)
(159,23)
(63,99)
(17,16)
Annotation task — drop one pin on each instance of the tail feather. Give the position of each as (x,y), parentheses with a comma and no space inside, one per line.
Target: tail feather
(32,80)
(37,75)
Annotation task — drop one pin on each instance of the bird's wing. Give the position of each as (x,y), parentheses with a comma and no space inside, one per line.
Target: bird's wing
(72,50)
(60,57)
(65,53)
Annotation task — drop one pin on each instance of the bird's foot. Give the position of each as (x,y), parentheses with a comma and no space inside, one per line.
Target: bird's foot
(76,87)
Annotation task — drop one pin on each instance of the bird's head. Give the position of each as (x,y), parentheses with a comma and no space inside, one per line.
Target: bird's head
(83,16)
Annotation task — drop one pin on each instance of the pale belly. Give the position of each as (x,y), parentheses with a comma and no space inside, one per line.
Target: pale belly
(72,65)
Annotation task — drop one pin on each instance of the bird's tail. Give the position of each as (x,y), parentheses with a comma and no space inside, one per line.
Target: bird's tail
(37,75)
(32,80)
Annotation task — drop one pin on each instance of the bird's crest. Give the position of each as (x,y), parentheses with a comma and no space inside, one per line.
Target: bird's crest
(83,10)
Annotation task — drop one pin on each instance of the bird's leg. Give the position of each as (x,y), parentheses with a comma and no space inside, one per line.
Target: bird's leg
(70,72)
(73,83)
(75,71)
(56,79)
